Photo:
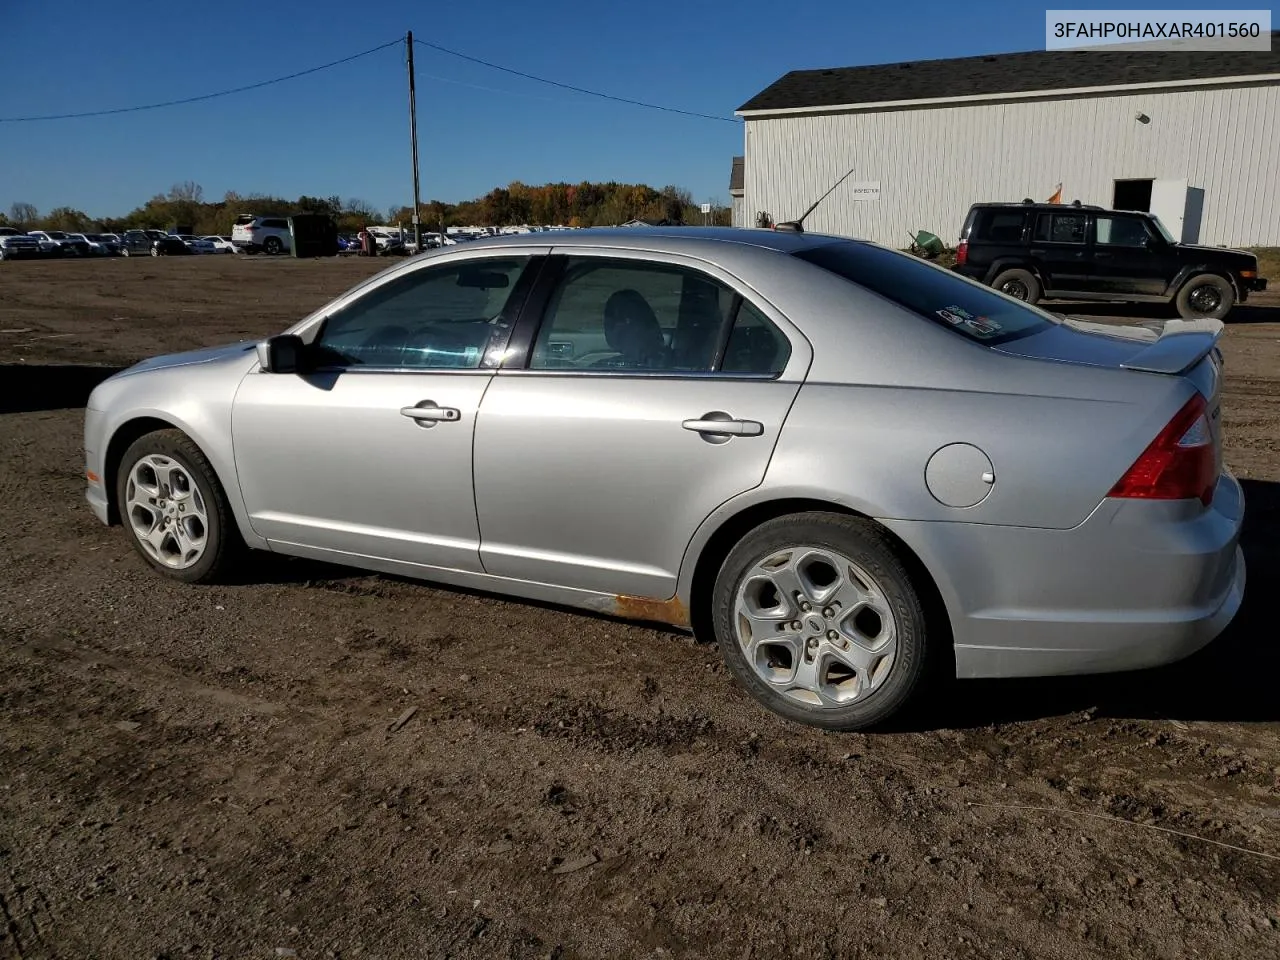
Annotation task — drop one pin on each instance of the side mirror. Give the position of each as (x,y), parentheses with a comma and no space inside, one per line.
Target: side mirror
(281,354)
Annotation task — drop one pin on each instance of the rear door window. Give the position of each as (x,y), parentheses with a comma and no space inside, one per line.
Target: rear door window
(969,309)
(1060,228)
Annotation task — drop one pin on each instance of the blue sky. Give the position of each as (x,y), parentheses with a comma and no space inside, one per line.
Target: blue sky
(345,131)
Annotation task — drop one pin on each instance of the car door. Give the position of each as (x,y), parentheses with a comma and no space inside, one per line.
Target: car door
(1060,248)
(369,451)
(1123,257)
(652,390)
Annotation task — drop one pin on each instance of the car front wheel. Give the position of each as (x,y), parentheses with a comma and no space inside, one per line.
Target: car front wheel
(1205,295)
(817,616)
(174,509)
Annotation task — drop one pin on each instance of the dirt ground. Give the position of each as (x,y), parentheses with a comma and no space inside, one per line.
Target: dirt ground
(236,771)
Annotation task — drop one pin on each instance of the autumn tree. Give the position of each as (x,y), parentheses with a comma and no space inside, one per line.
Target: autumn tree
(68,220)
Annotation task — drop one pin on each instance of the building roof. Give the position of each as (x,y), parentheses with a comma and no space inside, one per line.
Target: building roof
(737,175)
(1039,71)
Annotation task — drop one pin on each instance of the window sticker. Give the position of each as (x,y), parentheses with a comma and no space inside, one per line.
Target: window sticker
(983,326)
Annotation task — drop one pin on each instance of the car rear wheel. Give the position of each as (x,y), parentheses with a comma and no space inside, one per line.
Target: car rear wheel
(174,509)
(1205,295)
(816,615)
(1019,284)
(272,245)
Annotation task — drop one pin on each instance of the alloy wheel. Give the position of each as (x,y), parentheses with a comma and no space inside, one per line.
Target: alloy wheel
(166,512)
(815,626)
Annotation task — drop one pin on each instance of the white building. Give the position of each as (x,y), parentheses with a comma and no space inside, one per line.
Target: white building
(1194,137)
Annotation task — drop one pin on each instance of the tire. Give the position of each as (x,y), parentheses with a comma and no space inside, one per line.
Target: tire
(220,544)
(1205,295)
(272,245)
(124,252)
(896,655)
(1022,285)
(155,251)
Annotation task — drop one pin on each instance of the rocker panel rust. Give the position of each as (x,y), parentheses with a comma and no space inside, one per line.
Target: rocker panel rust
(672,611)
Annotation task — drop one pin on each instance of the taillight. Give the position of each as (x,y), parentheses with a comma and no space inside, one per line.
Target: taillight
(962,253)
(1179,464)
(251,228)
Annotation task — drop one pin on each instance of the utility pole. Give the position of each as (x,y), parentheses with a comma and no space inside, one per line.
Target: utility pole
(413,139)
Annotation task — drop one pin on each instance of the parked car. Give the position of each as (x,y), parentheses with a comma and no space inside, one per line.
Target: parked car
(155,243)
(255,234)
(16,245)
(221,244)
(197,244)
(97,245)
(1035,250)
(1017,495)
(60,243)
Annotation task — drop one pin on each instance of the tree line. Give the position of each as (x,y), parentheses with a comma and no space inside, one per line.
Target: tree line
(575,205)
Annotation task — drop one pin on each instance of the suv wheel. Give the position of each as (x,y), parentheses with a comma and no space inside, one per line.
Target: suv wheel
(817,616)
(1205,295)
(272,245)
(1019,284)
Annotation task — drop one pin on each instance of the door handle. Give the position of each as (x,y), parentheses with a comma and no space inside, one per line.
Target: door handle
(724,426)
(1102,256)
(428,413)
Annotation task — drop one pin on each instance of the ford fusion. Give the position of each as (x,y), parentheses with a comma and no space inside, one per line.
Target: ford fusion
(845,463)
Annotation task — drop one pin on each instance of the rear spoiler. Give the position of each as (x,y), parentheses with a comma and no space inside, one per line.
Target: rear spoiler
(1180,346)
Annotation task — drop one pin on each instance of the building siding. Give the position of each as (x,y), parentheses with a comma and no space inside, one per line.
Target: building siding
(737,218)
(933,163)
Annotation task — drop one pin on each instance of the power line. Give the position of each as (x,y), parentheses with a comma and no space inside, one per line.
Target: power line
(569,86)
(205,96)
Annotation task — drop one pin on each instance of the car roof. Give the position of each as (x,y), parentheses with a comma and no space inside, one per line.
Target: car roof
(688,239)
(1011,204)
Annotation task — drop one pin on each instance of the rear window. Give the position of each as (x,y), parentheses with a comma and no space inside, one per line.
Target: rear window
(971,310)
(244,219)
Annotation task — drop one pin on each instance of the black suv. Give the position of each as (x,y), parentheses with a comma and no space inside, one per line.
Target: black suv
(1072,252)
(155,243)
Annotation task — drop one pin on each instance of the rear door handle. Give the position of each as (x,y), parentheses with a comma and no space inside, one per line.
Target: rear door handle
(724,427)
(428,413)
(1102,256)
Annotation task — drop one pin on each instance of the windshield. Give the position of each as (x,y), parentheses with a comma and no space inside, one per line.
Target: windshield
(1163,230)
(56,235)
(965,307)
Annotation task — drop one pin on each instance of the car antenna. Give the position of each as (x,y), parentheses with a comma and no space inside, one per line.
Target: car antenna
(797,226)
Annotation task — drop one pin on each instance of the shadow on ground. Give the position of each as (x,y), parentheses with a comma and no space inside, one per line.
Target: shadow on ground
(31,387)
(1138,312)
(1232,679)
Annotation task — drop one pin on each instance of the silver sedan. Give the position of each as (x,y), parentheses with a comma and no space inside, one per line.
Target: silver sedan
(846,464)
